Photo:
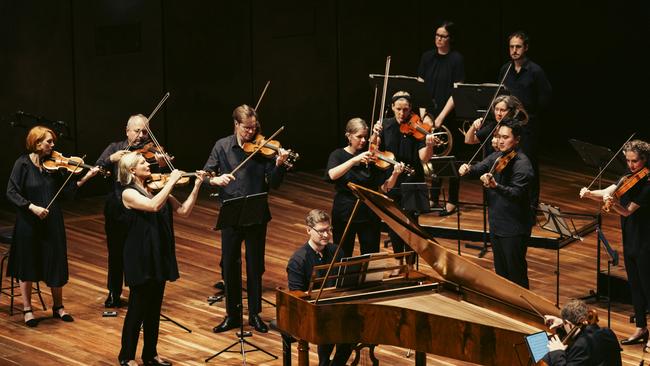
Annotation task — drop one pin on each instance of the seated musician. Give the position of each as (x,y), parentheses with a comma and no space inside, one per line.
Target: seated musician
(587,345)
(510,215)
(317,251)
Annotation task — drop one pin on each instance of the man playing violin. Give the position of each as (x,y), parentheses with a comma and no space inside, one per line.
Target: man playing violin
(136,136)
(507,174)
(630,198)
(256,176)
(407,149)
(584,342)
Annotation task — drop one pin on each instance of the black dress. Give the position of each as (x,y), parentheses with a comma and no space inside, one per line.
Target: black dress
(149,249)
(38,250)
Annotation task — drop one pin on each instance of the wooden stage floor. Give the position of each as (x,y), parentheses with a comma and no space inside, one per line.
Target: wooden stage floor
(95,340)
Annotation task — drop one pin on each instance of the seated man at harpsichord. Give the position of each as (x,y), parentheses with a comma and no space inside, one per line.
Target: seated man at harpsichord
(317,250)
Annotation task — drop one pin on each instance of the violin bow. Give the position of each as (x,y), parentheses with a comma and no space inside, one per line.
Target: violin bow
(610,160)
(259,100)
(153,137)
(383,98)
(256,150)
(66,182)
(496,94)
(532,306)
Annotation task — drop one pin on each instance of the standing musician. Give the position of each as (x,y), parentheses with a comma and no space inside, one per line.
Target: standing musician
(440,68)
(407,149)
(351,164)
(584,342)
(149,253)
(255,176)
(38,249)
(136,136)
(507,174)
(630,198)
(505,106)
(527,81)
(318,250)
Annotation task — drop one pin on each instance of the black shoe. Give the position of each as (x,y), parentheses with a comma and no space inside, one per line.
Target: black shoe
(124,362)
(258,323)
(113,300)
(56,315)
(154,362)
(228,323)
(444,212)
(220,286)
(31,322)
(641,338)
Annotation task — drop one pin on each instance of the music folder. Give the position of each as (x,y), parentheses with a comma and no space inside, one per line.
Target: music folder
(537,345)
(243,211)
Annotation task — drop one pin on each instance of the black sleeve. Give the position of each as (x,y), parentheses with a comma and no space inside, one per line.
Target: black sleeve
(104,159)
(483,166)
(212,164)
(15,185)
(295,274)
(333,161)
(516,188)
(274,174)
(422,68)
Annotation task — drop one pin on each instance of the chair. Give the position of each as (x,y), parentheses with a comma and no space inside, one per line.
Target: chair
(5,244)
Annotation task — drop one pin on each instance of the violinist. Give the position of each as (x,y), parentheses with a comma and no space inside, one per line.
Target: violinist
(38,249)
(440,68)
(507,174)
(136,136)
(256,176)
(149,252)
(353,163)
(583,341)
(630,198)
(407,149)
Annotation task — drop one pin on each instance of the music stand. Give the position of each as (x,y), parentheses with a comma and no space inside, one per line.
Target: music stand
(242,211)
(597,157)
(612,261)
(471,101)
(420,97)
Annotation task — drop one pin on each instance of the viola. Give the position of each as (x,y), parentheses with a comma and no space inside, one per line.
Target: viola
(415,127)
(269,149)
(158,180)
(385,159)
(74,164)
(624,185)
(154,155)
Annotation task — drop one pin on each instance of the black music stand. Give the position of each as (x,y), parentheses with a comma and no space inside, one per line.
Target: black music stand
(612,261)
(597,157)
(420,97)
(472,101)
(242,211)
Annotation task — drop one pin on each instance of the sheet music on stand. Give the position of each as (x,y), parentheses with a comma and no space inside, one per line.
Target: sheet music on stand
(414,86)
(441,167)
(556,222)
(243,211)
(471,101)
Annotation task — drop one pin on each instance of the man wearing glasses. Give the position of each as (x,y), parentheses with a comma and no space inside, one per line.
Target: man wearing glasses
(256,176)
(317,251)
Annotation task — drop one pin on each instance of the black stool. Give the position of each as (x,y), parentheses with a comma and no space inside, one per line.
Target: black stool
(5,243)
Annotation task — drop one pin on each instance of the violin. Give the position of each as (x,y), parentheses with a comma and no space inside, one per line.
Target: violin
(624,185)
(415,127)
(269,149)
(502,162)
(154,155)
(74,164)
(158,180)
(385,159)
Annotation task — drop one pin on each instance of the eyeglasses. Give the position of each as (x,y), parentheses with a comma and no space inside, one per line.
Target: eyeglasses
(323,232)
(248,128)
(442,36)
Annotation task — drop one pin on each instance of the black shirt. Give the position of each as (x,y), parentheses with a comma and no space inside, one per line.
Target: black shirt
(509,208)
(405,147)
(530,85)
(370,177)
(302,262)
(636,227)
(594,346)
(484,133)
(104,161)
(256,176)
(440,72)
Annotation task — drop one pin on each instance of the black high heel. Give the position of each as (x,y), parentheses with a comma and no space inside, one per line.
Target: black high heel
(641,338)
(31,322)
(66,317)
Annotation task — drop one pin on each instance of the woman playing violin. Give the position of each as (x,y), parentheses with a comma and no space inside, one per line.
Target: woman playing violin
(634,207)
(584,343)
(38,249)
(149,252)
(507,174)
(353,163)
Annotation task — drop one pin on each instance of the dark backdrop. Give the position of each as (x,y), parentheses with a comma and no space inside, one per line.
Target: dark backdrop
(93,63)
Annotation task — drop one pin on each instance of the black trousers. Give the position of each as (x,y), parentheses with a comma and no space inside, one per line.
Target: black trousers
(115,237)
(510,257)
(343,351)
(145,302)
(254,237)
(452,193)
(369,234)
(637,267)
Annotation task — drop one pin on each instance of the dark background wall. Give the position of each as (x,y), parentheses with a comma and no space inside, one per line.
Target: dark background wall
(94,63)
